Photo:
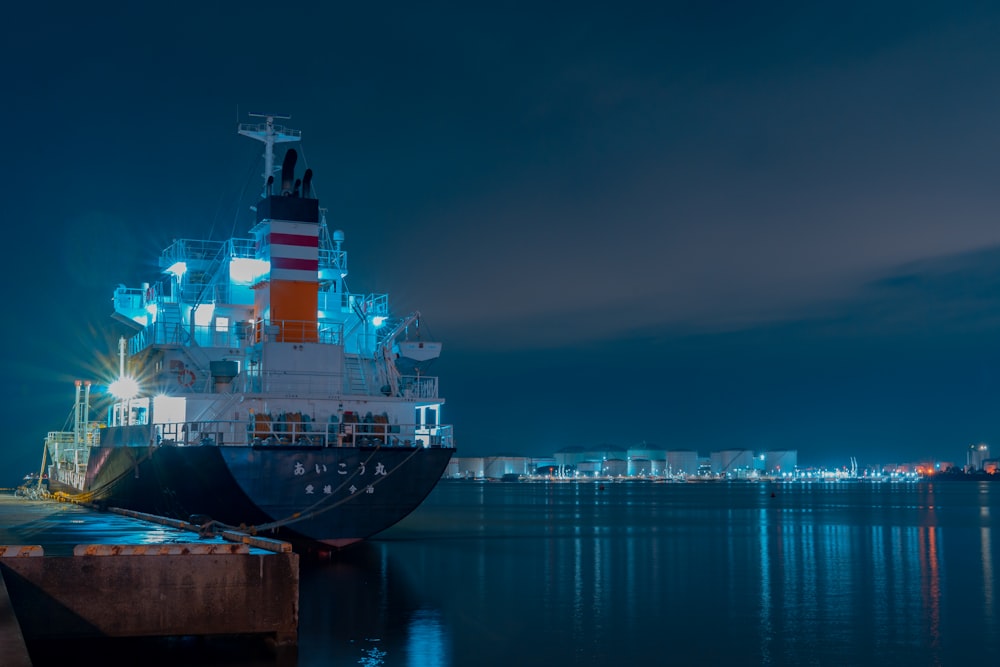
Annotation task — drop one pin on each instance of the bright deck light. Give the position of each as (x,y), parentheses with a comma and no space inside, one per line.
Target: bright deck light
(245,270)
(124,388)
(177,268)
(203,314)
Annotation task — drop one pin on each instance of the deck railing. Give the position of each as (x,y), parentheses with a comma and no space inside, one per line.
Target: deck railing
(299,432)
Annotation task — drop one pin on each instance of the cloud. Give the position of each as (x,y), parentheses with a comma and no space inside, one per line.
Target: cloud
(546,269)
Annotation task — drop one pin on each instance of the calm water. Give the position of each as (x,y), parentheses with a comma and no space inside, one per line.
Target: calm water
(642,573)
(698,573)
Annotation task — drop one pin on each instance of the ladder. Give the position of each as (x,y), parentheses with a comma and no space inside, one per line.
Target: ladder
(354,372)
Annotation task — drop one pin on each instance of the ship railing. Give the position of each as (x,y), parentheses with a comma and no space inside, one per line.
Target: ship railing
(196,292)
(372,305)
(129,300)
(262,128)
(60,444)
(335,301)
(295,429)
(418,386)
(292,383)
(60,437)
(295,331)
(332,259)
(189,250)
(88,436)
(436,436)
(238,334)
(242,248)
(365,305)
(206,292)
(161,333)
(134,304)
(65,448)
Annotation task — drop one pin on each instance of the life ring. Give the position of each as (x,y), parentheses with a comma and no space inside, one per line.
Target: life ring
(185,378)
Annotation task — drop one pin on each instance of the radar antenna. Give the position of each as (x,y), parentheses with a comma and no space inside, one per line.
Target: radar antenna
(270,134)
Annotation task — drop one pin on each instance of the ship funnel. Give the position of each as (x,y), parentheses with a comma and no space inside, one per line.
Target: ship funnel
(288,172)
(295,190)
(307,182)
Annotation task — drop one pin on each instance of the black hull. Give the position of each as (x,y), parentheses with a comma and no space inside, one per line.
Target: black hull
(332,495)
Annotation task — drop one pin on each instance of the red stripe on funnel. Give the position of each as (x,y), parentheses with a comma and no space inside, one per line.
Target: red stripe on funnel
(294,239)
(292,263)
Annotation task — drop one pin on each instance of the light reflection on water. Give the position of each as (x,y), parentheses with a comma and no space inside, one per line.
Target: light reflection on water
(986,558)
(542,574)
(427,644)
(765,588)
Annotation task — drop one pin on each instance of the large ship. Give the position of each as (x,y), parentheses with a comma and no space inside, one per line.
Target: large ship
(254,390)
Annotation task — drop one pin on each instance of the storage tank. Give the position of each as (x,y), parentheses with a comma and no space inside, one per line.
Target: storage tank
(495,467)
(615,467)
(643,467)
(732,462)
(569,457)
(605,452)
(545,465)
(682,462)
(646,460)
(470,467)
(782,461)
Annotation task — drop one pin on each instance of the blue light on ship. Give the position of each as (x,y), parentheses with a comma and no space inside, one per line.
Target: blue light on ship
(177,269)
(247,270)
(203,314)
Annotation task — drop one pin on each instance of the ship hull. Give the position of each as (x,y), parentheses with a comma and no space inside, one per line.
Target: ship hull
(323,495)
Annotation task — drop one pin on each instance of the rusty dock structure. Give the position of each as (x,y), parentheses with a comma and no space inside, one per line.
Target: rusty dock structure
(69,572)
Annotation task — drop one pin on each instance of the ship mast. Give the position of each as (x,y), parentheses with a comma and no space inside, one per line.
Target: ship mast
(270,134)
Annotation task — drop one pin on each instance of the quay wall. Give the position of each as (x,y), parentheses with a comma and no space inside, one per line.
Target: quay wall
(135,593)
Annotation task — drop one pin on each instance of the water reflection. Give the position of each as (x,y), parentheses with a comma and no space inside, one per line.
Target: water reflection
(930,588)
(360,607)
(576,577)
(986,556)
(557,574)
(426,644)
(766,622)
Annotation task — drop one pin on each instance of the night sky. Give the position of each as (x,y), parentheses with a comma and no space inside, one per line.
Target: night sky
(702,225)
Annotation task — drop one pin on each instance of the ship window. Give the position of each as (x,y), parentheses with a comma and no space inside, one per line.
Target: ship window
(222,324)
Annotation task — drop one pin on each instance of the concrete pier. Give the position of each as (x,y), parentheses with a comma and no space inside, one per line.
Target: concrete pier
(141,579)
(74,597)
(12,645)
